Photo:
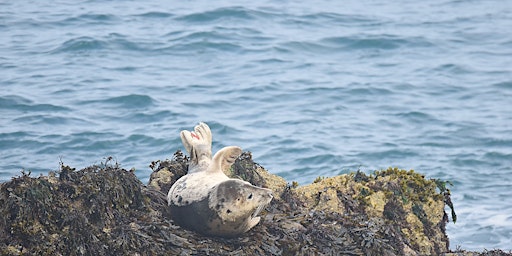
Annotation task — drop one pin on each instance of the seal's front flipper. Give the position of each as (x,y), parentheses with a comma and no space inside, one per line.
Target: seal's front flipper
(198,144)
(223,159)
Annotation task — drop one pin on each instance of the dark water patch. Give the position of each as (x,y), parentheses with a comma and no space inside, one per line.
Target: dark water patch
(497,142)
(222,129)
(417,117)
(126,69)
(64,91)
(21,143)
(131,101)
(205,105)
(472,160)
(302,121)
(18,103)
(46,119)
(227,39)
(453,69)
(118,41)
(400,154)
(172,35)
(357,89)
(271,61)
(147,117)
(438,142)
(14,135)
(98,145)
(114,42)
(382,42)
(155,14)
(231,14)
(304,47)
(10,101)
(202,36)
(499,157)
(332,18)
(92,135)
(202,47)
(318,159)
(142,139)
(80,44)
(6,63)
(504,85)
(17,140)
(88,19)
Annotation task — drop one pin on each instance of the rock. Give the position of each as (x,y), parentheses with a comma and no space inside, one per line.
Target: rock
(106,210)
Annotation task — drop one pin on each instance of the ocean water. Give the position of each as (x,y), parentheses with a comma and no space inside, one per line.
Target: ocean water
(310,88)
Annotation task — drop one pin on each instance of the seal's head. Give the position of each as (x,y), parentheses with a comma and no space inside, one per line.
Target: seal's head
(237,204)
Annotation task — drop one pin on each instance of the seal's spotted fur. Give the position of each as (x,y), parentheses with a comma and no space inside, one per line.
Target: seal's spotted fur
(206,200)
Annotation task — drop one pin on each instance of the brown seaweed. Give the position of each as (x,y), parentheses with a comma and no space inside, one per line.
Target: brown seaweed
(106,210)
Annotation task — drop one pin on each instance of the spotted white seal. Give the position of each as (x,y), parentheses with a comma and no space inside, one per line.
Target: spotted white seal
(208,201)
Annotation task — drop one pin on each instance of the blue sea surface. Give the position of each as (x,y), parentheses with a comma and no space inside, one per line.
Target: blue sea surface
(310,88)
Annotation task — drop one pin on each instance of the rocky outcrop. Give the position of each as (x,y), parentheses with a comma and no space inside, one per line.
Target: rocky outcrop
(106,210)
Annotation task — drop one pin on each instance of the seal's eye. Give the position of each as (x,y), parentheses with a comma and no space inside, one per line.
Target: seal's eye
(250,196)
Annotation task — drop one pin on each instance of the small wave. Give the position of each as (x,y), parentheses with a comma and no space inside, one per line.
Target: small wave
(333,45)
(16,140)
(23,142)
(228,40)
(387,154)
(304,47)
(155,15)
(125,101)
(201,47)
(51,119)
(113,41)
(384,42)
(79,44)
(88,18)
(202,36)
(504,85)
(22,104)
(417,117)
(231,14)
(147,117)
(342,19)
(367,90)
(452,68)
(499,156)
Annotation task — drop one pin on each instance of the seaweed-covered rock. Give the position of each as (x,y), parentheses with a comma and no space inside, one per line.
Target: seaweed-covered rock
(98,210)
(106,210)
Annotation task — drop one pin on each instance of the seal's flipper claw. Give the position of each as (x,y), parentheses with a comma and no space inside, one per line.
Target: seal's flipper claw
(225,157)
(204,132)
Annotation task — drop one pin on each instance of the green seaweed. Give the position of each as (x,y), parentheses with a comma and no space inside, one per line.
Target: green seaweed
(441,185)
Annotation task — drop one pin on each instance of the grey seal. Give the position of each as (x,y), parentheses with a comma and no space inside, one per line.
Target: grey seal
(205,199)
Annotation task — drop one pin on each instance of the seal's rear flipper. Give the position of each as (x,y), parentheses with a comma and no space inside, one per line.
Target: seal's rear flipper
(224,158)
(198,144)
